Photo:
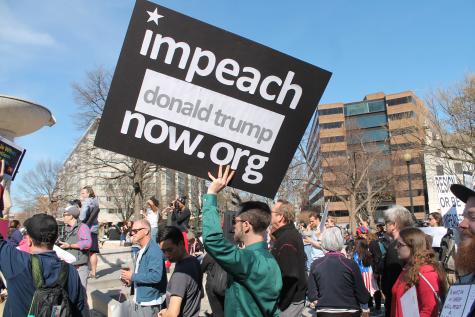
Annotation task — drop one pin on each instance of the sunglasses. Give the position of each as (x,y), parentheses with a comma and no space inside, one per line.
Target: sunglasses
(135,231)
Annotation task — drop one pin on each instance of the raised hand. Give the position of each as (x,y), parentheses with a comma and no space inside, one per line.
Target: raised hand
(220,182)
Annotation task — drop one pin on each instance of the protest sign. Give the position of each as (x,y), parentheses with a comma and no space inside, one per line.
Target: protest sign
(190,96)
(410,307)
(459,301)
(437,233)
(13,155)
(451,207)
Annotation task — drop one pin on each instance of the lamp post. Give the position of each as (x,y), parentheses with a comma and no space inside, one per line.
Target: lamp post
(408,158)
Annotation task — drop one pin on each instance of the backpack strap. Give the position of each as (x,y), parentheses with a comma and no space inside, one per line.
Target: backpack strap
(63,275)
(437,298)
(37,271)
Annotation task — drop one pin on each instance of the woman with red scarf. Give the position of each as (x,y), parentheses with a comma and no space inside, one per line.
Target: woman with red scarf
(421,270)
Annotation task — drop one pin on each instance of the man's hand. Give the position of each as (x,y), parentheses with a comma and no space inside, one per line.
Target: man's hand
(221,181)
(126,276)
(64,245)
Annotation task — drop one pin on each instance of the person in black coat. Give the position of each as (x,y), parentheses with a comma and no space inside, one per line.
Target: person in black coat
(288,250)
(396,218)
(335,282)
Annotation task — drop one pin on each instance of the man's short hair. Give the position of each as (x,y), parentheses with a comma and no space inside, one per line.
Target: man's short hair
(90,191)
(400,216)
(171,233)
(42,229)
(145,223)
(287,210)
(257,213)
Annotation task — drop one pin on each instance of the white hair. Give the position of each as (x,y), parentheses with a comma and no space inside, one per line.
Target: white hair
(332,239)
(400,216)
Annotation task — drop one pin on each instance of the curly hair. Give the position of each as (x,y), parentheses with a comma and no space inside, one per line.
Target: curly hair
(421,254)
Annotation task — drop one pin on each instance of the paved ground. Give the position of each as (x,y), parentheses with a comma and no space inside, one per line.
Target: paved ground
(108,282)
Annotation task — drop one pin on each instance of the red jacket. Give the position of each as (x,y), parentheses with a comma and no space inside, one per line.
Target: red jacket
(425,296)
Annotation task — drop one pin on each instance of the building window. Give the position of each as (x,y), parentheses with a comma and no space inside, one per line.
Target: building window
(458,168)
(332,139)
(331,125)
(401,131)
(369,135)
(439,170)
(399,101)
(364,107)
(367,121)
(333,154)
(326,112)
(401,115)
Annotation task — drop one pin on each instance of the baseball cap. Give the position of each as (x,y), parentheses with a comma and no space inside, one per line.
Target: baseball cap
(42,228)
(72,210)
(462,192)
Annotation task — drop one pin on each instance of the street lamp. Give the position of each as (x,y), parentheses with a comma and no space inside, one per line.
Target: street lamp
(408,158)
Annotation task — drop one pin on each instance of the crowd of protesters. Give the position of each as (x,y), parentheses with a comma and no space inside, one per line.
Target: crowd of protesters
(270,267)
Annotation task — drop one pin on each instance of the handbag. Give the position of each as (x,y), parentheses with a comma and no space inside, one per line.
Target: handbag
(437,297)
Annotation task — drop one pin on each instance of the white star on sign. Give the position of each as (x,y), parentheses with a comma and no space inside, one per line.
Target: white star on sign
(154,16)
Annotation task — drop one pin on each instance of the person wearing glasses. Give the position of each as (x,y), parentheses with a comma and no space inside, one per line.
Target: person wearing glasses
(397,218)
(422,270)
(77,241)
(254,277)
(149,277)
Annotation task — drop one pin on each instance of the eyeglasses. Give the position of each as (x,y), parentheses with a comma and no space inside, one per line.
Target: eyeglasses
(135,231)
(400,245)
(237,220)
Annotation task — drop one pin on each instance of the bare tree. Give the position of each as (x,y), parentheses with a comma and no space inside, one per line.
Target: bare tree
(38,186)
(451,121)
(359,177)
(91,96)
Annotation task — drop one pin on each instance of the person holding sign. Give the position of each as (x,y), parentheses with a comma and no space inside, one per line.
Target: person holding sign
(255,280)
(421,270)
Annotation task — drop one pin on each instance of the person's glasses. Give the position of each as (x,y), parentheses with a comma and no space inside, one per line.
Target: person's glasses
(135,231)
(237,220)
(400,245)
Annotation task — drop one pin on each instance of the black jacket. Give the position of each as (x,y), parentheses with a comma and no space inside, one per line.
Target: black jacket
(336,282)
(391,270)
(289,253)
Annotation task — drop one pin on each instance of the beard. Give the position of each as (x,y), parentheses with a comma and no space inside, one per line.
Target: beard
(464,263)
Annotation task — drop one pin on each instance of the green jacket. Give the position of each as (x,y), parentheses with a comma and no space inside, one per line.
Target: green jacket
(253,273)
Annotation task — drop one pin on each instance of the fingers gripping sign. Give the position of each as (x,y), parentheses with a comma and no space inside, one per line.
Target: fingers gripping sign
(220,182)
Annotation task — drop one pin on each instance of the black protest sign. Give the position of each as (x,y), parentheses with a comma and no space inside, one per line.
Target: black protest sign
(12,155)
(190,96)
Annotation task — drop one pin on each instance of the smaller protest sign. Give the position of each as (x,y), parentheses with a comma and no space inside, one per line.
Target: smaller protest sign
(324,217)
(410,307)
(12,154)
(437,233)
(459,301)
(451,207)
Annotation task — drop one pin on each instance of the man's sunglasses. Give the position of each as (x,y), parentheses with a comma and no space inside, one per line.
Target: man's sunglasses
(135,231)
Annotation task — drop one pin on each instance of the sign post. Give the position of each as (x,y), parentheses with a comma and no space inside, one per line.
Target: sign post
(190,96)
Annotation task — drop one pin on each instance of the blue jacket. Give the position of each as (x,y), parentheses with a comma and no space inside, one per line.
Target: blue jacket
(16,268)
(150,281)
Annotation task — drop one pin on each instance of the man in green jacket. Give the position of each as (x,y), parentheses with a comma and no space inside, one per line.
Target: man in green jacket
(254,278)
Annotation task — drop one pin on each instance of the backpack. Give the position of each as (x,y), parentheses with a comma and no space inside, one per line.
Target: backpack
(220,279)
(49,301)
(448,247)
